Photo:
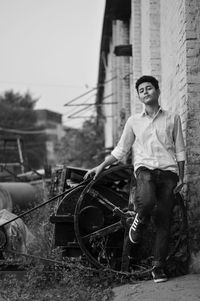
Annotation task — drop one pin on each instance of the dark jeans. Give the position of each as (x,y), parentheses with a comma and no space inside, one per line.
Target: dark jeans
(154,191)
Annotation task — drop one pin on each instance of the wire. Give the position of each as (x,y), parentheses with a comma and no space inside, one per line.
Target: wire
(44,203)
(95,88)
(81,110)
(81,117)
(39,84)
(94,104)
(71,110)
(75,113)
(22,132)
(80,96)
(87,105)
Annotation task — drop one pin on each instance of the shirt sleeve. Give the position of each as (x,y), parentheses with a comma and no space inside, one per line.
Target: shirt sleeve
(126,141)
(178,140)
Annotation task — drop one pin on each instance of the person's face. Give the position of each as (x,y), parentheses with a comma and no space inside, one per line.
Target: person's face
(148,94)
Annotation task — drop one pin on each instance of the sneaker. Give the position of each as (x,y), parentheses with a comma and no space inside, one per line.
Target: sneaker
(159,275)
(135,230)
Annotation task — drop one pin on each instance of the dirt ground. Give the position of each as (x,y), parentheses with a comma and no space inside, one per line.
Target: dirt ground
(183,288)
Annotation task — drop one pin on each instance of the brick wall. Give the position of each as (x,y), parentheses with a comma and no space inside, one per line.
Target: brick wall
(154,25)
(180,56)
(193,123)
(173,56)
(166,43)
(165,38)
(145,34)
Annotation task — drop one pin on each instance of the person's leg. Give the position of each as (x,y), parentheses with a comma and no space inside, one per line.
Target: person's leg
(166,182)
(144,202)
(145,192)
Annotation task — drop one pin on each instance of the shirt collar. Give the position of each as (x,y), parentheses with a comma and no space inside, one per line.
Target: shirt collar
(144,113)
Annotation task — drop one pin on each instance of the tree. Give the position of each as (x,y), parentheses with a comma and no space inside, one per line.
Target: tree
(82,147)
(17,110)
(17,113)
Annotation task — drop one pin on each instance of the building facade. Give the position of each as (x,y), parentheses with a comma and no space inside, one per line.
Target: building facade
(161,38)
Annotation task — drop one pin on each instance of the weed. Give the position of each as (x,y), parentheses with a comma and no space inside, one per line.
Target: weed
(63,279)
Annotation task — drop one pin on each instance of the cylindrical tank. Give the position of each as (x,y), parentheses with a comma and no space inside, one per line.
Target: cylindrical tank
(18,194)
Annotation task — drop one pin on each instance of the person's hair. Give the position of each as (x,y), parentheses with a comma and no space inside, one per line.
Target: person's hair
(147,79)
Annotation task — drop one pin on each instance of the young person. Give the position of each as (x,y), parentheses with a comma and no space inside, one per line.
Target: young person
(158,158)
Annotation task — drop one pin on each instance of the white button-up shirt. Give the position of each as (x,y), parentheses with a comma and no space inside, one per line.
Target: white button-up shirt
(157,142)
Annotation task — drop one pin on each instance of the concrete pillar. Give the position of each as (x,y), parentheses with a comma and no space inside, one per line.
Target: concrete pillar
(136,34)
(121,88)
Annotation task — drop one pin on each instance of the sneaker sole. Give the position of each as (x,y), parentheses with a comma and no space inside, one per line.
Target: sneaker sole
(160,280)
(132,228)
(133,241)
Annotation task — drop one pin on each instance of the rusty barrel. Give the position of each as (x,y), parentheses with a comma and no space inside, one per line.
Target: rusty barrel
(17,194)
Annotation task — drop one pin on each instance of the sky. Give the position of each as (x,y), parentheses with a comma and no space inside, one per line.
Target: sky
(50,48)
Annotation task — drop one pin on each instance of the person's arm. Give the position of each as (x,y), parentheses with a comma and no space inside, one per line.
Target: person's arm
(94,172)
(180,153)
(181,167)
(179,186)
(123,146)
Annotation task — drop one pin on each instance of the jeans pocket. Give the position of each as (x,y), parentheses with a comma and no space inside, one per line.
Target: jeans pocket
(139,170)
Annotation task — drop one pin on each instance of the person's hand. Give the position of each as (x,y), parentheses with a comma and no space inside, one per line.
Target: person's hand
(94,172)
(179,186)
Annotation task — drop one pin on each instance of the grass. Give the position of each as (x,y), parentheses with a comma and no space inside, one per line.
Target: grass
(71,280)
(40,281)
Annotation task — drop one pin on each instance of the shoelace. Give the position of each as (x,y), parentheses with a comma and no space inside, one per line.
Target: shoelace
(135,223)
